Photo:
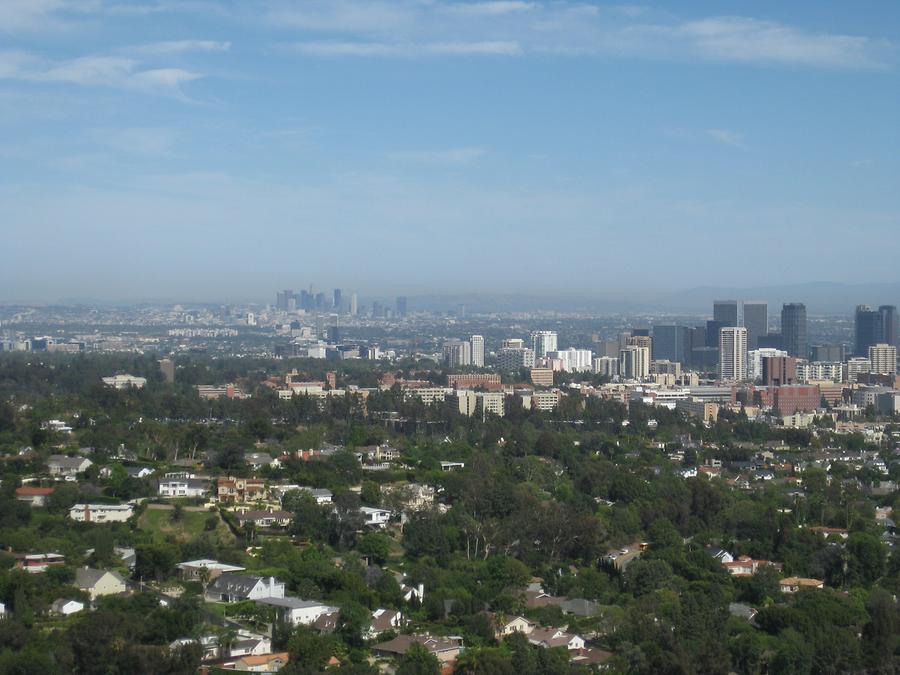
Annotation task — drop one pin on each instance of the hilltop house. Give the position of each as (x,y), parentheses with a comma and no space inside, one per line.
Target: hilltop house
(35,496)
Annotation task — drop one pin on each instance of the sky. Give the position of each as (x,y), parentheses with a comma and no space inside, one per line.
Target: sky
(194,149)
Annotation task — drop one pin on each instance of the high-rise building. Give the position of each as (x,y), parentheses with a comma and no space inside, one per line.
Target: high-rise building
(401,306)
(515,358)
(457,353)
(733,353)
(641,341)
(320,301)
(167,368)
(672,343)
(573,360)
(889,325)
(712,333)
(868,329)
(793,329)
(756,321)
(883,358)
(606,366)
(755,358)
(282,298)
(512,343)
(828,353)
(727,312)
(354,304)
(477,348)
(779,370)
(337,299)
(543,341)
(634,362)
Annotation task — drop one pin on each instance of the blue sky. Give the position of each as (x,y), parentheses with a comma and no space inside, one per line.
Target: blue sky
(217,150)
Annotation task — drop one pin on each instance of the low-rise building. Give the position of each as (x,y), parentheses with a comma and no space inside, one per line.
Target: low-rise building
(101,513)
(446,649)
(61,466)
(795,584)
(295,611)
(230,587)
(35,496)
(97,583)
(183,487)
(194,570)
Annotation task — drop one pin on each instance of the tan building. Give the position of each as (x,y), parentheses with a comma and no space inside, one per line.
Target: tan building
(542,377)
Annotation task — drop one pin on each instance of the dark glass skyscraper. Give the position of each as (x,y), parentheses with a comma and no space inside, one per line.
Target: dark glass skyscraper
(889,324)
(756,321)
(727,312)
(793,329)
(672,343)
(868,329)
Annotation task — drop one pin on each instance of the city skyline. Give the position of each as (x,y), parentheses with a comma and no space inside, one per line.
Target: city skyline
(154,148)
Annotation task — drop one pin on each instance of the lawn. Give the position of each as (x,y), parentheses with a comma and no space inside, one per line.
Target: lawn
(189,526)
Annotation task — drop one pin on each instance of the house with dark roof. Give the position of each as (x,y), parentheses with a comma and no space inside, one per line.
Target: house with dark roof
(99,582)
(239,587)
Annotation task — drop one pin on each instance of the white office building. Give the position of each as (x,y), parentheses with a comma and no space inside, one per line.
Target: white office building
(476,343)
(733,353)
(754,361)
(457,353)
(543,341)
(515,358)
(883,358)
(573,360)
(634,362)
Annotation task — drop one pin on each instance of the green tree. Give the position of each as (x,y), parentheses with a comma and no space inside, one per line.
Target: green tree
(418,661)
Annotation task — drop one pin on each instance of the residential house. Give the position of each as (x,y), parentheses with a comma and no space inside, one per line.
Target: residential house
(296,611)
(795,584)
(232,489)
(195,570)
(590,657)
(38,562)
(375,517)
(580,607)
(230,587)
(262,663)
(101,513)
(555,637)
(66,606)
(260,460)
(183,487)
(720,554)
(384,620)
(265,518)
(452,466)
(35,496)
(746,566)
(251,645)
(446,649)
(504,626)
(2,610)
(99,582)
(61,466)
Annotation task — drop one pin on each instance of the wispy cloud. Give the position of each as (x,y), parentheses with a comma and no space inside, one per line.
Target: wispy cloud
(382,49)
(179,47)
(94,71)
(726,137)
(370,28)
(449,157)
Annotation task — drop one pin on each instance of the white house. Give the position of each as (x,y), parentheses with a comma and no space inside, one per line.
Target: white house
(183,487)
(555,637)
(375,517)
(2,610)
(101,513)
(194,569)
(65,607)
(296,611)
(239,587)
(125,381)
(384,620)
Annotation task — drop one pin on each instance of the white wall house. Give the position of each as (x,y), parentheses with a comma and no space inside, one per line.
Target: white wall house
(375,517)
(297,611)
(240,587)
(101,513)
(183,487)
